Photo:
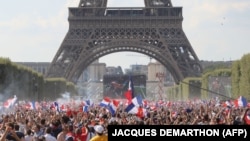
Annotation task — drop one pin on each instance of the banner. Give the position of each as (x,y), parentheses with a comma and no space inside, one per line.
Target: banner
(187,132)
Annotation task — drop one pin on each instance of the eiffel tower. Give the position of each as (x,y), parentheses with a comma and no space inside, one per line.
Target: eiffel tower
(96,30)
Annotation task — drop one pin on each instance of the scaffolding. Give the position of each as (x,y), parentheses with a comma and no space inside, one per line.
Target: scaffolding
(161,77)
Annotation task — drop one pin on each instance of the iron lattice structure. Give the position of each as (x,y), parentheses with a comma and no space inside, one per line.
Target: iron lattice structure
(96,30)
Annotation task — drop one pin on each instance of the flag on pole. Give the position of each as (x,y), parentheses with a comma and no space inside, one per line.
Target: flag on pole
(129,94)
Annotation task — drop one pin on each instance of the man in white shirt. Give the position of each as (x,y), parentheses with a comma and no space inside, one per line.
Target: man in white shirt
(48,136)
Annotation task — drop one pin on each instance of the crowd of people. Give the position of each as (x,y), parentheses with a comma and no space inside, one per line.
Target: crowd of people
(48,124)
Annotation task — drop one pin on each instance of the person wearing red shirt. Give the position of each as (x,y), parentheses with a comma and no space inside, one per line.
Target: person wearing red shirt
(79,135)
(70,136)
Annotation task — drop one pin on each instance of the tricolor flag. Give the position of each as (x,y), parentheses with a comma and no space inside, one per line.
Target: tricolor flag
(105,102)
(86,105)
(10,102)
(137,101)
(136,107)
(138,111)
(85,108)
(227,104)
(129,94)
(57,107)
(114,104)
(240,102)
(131,108)
(31,105)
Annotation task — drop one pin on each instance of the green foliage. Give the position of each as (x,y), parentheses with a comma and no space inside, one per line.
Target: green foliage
(28,84)
(174,93)
(236,74)
(244,83)
(191,88)
(214,67)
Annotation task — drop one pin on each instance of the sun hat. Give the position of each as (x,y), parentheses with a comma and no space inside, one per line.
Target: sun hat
(99,128)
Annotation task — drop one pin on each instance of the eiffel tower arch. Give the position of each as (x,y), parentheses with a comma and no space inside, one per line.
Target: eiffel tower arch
(96,30)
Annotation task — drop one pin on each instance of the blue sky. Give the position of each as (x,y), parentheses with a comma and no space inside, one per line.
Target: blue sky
(33,30)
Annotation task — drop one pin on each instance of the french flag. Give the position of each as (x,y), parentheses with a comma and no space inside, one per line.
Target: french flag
(56,104)
(227,104)
(86,105)
(240,102)
(31,105)
(129,94)
(85,108)
(135,107)
(131,108)
(10,102)
(137,101)
(105,102)
(113,106)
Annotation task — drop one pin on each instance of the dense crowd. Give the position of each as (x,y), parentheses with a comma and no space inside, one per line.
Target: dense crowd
(51,125)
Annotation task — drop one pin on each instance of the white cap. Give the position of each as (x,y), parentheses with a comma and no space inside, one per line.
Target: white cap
(99,129)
